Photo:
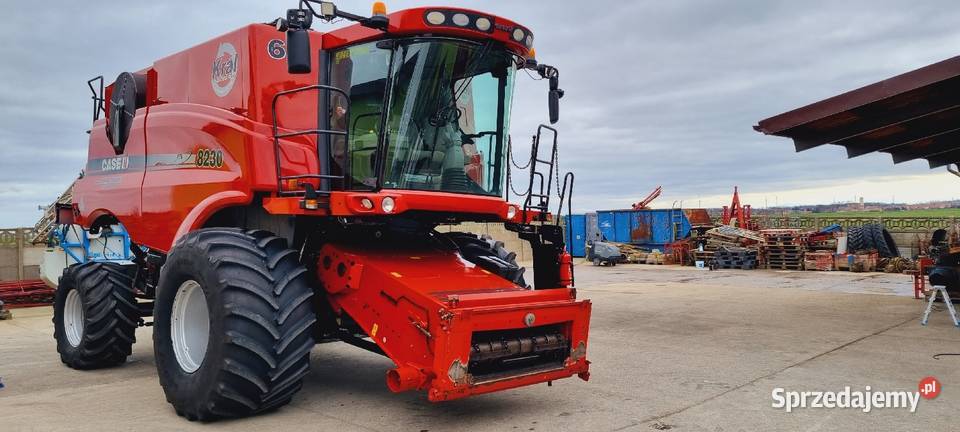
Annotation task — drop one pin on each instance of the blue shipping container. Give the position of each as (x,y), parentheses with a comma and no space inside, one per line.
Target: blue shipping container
(576,235)
(653,228)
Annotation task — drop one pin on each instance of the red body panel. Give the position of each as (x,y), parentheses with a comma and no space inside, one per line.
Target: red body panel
(423,306)
(186,114)
(159,192)
(111,184)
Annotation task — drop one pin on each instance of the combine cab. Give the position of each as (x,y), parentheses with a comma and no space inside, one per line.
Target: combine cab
(283,187)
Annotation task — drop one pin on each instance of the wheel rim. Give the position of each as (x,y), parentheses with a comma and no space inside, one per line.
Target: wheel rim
(190,326)
(73,318)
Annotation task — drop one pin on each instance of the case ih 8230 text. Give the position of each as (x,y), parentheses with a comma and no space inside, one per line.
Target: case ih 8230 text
(279,195)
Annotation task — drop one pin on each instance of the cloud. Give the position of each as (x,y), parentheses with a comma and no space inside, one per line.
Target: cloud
(657,93)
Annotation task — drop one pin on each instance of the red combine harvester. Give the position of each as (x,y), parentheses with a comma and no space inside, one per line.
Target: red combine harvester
(285,189)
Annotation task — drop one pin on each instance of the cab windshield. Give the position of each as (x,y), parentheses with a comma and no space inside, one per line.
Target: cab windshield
(444,106)
(448,117)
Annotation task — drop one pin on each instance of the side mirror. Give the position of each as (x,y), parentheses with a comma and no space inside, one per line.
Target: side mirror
(553,100)
(298,40)
(298,51)
(553,104)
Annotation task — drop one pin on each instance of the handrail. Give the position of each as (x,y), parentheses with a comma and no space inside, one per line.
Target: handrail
(324,184)
(97,97)
(543,196)
(569,195)
(564,193)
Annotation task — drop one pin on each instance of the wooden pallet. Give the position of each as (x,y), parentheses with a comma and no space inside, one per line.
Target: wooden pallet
(734,267)
(783,249)
(784,245)
(785,255)
(735,261)
(784,266)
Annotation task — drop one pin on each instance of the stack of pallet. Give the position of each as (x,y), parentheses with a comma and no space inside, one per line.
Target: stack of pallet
(706,255)
(632,254)
(731,257)
(725,237)
(655,257)
(782,249)
(818,260)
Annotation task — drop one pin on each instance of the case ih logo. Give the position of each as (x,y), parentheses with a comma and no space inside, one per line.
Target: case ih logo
(225,67)
(115,164)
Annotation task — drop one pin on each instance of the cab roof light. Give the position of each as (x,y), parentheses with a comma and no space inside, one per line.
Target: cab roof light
(379,9)
(328,11)
(531,60)
(483,24)
(435,17)
(459,19)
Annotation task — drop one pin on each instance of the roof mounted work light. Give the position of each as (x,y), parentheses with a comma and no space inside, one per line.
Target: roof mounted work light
(298,22)
(460,19)
(328,11)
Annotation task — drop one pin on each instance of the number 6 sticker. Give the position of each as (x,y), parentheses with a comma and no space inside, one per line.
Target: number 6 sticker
(276,49)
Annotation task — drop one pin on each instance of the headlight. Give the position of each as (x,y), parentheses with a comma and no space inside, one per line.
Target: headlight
(518,35)
(511,212)
(388,205)
(366,203)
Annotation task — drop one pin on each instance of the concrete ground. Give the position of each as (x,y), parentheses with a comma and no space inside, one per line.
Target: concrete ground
(672,348)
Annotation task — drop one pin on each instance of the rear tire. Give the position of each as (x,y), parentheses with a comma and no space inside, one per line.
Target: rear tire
(95,315)
(253,352)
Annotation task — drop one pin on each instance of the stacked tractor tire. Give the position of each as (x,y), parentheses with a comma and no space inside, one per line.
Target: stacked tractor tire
(872,237)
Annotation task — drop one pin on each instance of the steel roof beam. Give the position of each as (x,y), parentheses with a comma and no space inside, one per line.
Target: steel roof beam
(868,118)
(944,159)
(926,147)
(904,133)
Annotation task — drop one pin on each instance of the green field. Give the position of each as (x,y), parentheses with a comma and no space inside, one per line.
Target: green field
(934,213)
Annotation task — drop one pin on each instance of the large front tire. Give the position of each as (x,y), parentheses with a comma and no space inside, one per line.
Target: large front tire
(95,315)
(233,324)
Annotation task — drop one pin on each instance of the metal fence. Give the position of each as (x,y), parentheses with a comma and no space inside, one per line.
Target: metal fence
(893,224)
(15,237)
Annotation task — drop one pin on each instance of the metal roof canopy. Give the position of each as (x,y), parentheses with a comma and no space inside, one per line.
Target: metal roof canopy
(911,116)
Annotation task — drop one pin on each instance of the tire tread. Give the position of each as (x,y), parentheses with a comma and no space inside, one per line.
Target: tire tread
(268,308)
(111,315)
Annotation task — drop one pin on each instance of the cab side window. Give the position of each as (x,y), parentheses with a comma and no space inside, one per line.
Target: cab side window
(361,71)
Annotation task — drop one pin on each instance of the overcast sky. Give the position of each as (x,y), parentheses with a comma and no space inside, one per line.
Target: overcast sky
(657,92)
